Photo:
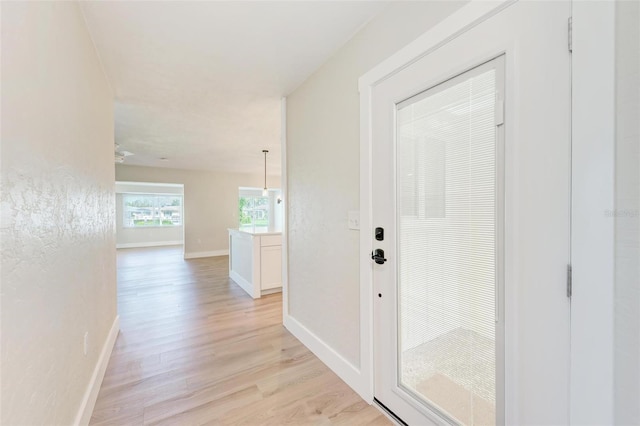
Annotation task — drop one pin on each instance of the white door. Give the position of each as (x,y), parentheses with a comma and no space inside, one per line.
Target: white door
(471,177)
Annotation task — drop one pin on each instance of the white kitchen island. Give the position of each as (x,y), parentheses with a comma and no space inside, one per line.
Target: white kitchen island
(255,260)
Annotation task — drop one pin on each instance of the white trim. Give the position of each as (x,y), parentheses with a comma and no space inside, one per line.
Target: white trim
(150,244)
(245,285)
(366,229)
(456,24)
(271,291)
(593,193)
(91,394)
(213,253)
(170,185)
(339,365)
(150,193)
(285,200)
(124,187)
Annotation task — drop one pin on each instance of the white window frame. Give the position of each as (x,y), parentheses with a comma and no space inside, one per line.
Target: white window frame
(125,219)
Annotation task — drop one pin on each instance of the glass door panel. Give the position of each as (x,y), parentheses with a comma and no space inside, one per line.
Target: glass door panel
(446,157)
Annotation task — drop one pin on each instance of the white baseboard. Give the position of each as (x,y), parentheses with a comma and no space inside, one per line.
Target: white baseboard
(350,374)
(91,394)
(153,244)
(197,254)
(271,291)
(243,284)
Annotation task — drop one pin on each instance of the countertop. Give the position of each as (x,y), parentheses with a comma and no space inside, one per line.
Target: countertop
(256,231)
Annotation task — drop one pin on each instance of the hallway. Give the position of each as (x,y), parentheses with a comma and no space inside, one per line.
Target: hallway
(193,348)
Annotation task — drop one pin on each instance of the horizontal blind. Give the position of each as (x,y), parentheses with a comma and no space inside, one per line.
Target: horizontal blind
(446,167)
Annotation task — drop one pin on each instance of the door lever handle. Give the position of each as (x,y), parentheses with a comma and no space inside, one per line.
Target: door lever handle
(378,256)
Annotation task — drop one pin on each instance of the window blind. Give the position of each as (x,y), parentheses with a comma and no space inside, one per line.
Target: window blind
(446,210)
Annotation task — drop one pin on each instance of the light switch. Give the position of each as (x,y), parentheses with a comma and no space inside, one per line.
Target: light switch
(354,219)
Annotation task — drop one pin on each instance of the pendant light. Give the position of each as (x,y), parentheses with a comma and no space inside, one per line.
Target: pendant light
(265,192)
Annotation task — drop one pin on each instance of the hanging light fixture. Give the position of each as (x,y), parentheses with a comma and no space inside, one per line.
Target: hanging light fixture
(265,192)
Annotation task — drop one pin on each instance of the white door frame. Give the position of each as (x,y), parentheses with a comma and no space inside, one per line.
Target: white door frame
(593,194)
(285,216)
(593,132)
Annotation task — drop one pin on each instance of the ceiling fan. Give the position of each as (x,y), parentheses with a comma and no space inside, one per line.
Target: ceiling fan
(120,155)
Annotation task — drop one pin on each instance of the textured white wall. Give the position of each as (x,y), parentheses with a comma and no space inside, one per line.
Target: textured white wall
(627,217)
(58,242)
(210,201)
(323,120)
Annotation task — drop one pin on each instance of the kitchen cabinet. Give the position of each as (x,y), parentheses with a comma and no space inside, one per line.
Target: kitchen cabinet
(255,261)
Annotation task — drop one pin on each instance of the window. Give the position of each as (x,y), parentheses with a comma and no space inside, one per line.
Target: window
(253,211)
(260,212)
(144,210)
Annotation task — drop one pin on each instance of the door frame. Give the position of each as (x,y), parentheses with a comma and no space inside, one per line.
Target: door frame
(592,229)
(593,190)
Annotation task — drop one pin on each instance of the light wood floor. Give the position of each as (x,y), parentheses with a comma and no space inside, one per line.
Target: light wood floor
(195,349)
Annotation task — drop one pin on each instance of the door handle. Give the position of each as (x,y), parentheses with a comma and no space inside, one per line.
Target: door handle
(378,256)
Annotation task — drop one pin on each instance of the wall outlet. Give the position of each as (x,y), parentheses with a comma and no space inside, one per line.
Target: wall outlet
(354,219)
(86,342)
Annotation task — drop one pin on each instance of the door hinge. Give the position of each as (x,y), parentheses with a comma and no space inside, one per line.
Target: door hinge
(570,31)
(569,281)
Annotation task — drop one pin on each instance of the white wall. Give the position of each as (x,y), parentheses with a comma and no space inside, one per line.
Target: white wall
(323,120)
(210,202)
(145,236)
(627,217)
(58,242)
(276,218)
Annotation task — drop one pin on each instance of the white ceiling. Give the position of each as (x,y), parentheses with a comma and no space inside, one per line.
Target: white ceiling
(200,82)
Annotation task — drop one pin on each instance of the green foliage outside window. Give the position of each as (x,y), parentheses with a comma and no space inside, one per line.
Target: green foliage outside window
(253,211)
(244,216)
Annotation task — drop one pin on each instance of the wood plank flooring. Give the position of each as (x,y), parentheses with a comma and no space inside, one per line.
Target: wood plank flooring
(195,349)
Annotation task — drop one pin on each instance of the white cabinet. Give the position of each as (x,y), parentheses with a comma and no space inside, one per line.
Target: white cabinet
(255,261)
(271,267)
